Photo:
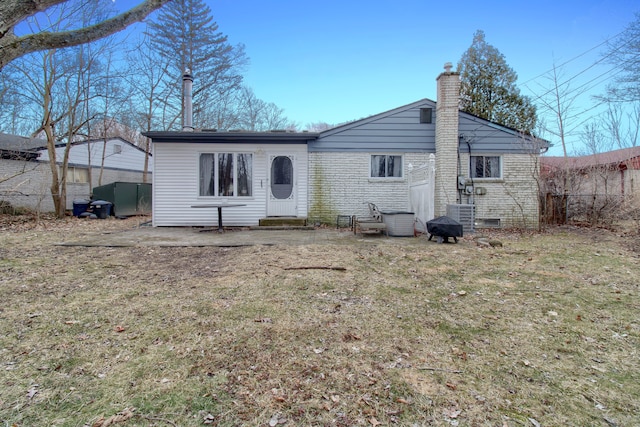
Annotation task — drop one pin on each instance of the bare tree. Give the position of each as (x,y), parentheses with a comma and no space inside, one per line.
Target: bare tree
(622,124)
(623,52)
(252,108)
(258,115)
(150,96)
(274,118)
(593,139)
(559,100)
(54,86)
(13,12)
(318,126)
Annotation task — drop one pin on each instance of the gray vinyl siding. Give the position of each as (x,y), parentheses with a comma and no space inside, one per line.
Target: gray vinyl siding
(176,184)
(397,130)
(487,137)
(400,130)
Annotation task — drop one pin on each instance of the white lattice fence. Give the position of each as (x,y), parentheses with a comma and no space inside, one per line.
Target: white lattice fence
(421,192)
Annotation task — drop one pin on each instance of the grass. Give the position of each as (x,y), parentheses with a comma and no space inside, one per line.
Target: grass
(544,328)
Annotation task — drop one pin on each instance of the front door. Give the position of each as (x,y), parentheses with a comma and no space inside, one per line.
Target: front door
(282,186)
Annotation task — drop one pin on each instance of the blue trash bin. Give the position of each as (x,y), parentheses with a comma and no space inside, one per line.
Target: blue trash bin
(80,206)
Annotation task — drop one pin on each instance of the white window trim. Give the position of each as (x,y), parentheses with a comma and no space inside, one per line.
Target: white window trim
(72,173)
(490,179)
(216,176)
(386,178)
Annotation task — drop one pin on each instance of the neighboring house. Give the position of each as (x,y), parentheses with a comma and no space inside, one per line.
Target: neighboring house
(615,172)
(589,188)
(25,172)
(378,159)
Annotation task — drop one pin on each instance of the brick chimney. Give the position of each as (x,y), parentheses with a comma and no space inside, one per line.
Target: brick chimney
(187,110)
(447,140)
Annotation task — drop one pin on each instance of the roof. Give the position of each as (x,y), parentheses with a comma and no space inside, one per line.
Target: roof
(625,158)
(100,140)
(329,140)
(20,147)
(20,143)
(401,129)
(205,136)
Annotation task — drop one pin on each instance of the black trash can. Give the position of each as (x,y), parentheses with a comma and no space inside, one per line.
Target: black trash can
(101,208)
(80,206)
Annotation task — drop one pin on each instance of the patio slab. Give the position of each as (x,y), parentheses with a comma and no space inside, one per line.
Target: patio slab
(198,237)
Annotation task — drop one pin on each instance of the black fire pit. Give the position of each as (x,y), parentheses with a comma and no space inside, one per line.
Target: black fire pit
(444,227)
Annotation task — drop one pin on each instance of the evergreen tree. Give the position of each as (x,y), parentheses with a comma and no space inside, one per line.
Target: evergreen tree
(488,87)
(186,35)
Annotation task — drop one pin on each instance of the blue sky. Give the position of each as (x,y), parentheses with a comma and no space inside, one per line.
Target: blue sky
(337,61)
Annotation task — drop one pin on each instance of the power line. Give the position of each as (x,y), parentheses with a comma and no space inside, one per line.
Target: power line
(576,57)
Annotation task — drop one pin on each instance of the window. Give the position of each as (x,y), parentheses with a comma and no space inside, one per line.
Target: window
(485,167)
(226,174)
(76,175)
(117,149)
(386,166)
(426,115)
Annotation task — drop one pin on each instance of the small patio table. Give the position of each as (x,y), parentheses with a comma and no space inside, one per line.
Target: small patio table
(219,206)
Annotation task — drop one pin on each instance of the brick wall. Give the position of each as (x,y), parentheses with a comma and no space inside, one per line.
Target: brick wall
(340,184)
(27,184)
(512,199)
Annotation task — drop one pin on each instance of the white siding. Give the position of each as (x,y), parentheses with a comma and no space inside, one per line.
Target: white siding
(129,158)
(175,184)
(27,184)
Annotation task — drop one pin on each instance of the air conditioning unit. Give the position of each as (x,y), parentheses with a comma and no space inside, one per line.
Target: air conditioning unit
(464,214)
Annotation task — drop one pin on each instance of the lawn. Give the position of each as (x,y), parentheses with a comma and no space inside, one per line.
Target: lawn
(544,330)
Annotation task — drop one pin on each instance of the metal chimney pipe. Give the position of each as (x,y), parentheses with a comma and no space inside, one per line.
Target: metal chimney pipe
(187,112)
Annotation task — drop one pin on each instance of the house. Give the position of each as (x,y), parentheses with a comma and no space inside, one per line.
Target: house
(379,159)
(614,172)
(589,188)
(25,172)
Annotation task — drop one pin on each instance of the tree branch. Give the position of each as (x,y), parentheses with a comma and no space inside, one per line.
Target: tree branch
(12,47)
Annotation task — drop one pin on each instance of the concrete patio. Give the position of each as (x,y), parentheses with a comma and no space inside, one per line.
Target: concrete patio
(198,237)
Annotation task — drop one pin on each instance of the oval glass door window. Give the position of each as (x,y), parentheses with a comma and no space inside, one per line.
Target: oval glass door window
(281,177)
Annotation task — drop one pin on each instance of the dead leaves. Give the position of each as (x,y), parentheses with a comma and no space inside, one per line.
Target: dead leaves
(277,419)
(350,336)
(32,391)
(460,353)
(120,417)
(278,396)
(451,414)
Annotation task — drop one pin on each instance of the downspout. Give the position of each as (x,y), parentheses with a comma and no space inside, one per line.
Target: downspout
(459,173)
(473,202)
